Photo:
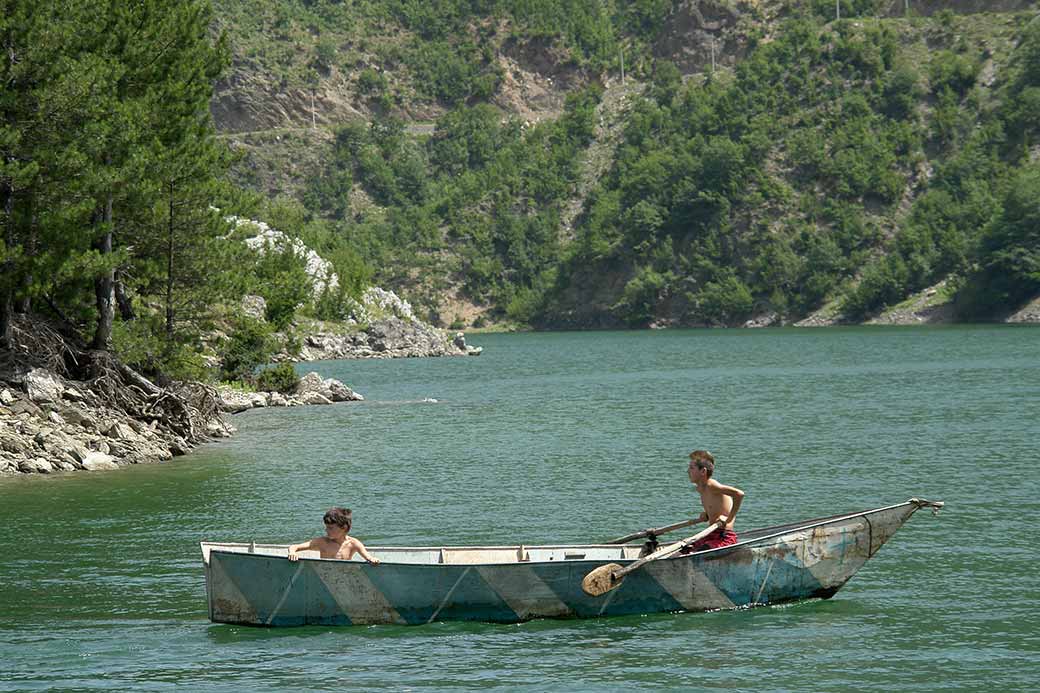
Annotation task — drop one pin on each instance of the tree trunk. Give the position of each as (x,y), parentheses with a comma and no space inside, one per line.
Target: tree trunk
(6,289)
(23,304)
(6,309)
(169,271)
(126,308)
(103,285)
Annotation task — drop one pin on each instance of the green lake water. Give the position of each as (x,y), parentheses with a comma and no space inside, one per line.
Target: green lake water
(570,437)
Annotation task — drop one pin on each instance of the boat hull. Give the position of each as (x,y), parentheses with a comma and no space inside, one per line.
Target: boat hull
(793,562)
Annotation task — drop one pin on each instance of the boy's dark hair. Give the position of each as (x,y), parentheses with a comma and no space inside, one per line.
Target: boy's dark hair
(704,460)
(339,516)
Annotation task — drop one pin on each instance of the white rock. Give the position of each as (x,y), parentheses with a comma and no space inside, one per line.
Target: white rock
(78,451)
(312,382)
(234,401)
(6,397)
(179,446)
(387,302)
(43,386)
(96,461)
(121,431)
(254,306)
(219,429)
(15,445)
(340,392)
(314,398)
(318,269)
(34,467)
(73,394)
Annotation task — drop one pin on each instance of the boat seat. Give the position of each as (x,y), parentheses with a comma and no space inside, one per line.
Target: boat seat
(475,556)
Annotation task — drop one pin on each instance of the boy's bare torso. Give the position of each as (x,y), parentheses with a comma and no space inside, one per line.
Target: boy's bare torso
(330,548)
(716,503)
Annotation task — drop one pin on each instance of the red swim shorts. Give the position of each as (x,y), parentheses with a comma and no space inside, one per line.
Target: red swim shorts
(715,540)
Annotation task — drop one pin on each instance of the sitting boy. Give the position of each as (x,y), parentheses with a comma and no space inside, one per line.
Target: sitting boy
(335,543)
(720,502)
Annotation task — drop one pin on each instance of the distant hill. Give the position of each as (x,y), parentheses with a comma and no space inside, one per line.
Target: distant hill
(582,164)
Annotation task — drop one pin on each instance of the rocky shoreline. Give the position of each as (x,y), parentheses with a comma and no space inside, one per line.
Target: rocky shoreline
(51,424)
(388,338)
(64,408)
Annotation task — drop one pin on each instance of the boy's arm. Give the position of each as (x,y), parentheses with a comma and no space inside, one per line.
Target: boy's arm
(364,553)
(738,496)
(293,548)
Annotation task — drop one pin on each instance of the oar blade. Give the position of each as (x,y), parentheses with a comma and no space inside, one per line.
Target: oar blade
(601,580)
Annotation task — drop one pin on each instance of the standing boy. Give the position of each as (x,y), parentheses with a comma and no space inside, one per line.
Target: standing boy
(336,543)
(720,502)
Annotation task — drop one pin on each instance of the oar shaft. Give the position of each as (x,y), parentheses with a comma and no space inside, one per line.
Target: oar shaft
(668,550)
(656,532)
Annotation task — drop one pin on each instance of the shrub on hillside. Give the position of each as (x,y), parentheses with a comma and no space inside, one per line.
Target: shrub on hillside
(371,82)
(952,71)
(640,296)
(727,301)
(249,346)
(280,378)
(283,281)
(1009,252)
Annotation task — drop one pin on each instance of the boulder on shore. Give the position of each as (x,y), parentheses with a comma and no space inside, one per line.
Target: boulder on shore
(42,386)
(312,389)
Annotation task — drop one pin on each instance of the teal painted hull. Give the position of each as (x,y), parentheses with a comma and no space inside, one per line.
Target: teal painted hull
(260,586)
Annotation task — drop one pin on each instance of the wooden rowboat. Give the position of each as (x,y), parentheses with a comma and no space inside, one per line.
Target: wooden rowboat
(256,584)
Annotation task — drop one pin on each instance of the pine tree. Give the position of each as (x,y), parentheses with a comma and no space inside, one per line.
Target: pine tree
(46,80)
(187,164)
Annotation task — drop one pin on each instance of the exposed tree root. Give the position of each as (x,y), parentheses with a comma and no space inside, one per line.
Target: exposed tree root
(183,409)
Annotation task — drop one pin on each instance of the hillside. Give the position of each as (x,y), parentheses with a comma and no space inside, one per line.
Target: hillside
(758,162)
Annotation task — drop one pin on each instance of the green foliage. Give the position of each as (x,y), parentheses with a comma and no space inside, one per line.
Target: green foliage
(325,54)
(954,72)
(371,82)
(1022,101)
(118,166)
(493,188)
(691,181)
(249,346)
(453,73)
(777,184)
(882,284)
(1008,256)
(282,279)
(901,92)
(725,302)
(279,378)
(640,297)
(825,9)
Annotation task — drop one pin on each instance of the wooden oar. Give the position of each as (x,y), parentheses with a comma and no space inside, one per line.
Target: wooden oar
(656,532)
(607,577)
